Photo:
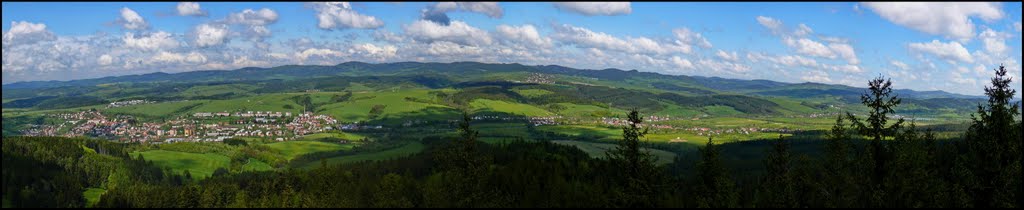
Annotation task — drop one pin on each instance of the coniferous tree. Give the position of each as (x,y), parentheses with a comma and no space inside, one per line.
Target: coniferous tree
(777,188)
(714,187)
(635,166)
(994,147)
(877,128)
(840,188)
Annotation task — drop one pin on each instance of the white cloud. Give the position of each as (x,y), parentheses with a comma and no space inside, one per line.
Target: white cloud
(131,20)
(105,60)
(340,15)
(22,32)
(523,34)
(773,25)
(154,41)
(845,51)
(251,17)
(210,35)
(456,32)
(846,68)
(994,42)
(816,76)
(728,56)
(796,60)
(803,30)
(681,63)
(595,8)
(1017,26)
(437,12)
(190,9)
(447,48)
(691,38)
(900,65)
(951,19)
(951,51)
(809,47)
(373,51)
(317,52)
(586,38)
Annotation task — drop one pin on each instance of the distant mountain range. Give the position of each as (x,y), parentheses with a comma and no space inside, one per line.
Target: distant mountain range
(692,84)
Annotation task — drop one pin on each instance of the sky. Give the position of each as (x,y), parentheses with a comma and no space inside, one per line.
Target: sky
(920,45)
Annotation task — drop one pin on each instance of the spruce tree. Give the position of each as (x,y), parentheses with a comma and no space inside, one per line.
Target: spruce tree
(777,188)
(994,147)
(635,166)
(714,187)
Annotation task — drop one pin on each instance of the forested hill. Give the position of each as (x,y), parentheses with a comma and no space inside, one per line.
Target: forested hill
(467,70)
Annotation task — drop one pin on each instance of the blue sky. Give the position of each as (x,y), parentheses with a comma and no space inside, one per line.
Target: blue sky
(923,46)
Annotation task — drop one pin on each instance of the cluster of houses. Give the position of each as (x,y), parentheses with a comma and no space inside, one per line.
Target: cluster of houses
(194,127)
(127,103)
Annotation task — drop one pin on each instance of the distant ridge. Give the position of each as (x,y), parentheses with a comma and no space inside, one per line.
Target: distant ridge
(354,68)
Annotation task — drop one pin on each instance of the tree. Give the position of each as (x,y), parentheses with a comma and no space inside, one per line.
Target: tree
(778,185)
(994,147)
(635,167)
(841,190)
(714,188)
(880,105)
(464,170)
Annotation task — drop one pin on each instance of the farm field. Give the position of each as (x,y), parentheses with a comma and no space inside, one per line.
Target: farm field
(332,135)
(292,149)
(199,165)
(487,105)
(597,150)
(408,149)
(256,165)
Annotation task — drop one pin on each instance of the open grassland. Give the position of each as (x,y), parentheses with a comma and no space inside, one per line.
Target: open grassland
(292,149)
(532,93)
(577,110)
(408,149)
(162,109)
(332,135)
(199,165)
(394,105)
(267,102)
(256,165)
(487,105)
(597,150)
(91,195)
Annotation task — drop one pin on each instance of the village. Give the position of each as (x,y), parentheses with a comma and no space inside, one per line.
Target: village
(197,127)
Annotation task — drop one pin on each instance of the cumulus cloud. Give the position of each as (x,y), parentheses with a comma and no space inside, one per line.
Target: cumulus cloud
(438,12)
(456,32)
(523,34)
(816,76)
(691,38)
(371,51)
(340,15)
(317,52)
(773,25)
(728,56)
(595,8)
(23,32)
(210,35)
(260,17)
(132,20)
(105,60)
(900,65)
(951,51)
(190,9)
(153,41)
(950,19)
(585,38)
(800,41)
(994,42)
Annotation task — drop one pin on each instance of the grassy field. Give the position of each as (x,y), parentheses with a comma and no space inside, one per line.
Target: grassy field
(571,109)
(152,110)
(256,165)
(487,105)
(510,130)
(531,93)
(281,102)
(199,165)
(597,150)
(92,196)
(292,149)
(408,149)
(342,135)
(396,106)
